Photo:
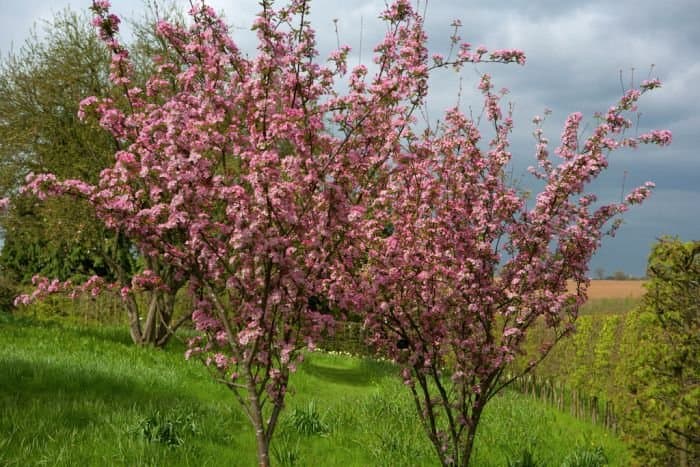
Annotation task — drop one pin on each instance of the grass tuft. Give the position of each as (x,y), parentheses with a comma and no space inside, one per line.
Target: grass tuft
(170,429)
(307,420)
(587,456)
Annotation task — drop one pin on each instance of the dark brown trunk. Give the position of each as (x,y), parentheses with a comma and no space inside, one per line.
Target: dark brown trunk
(468,444)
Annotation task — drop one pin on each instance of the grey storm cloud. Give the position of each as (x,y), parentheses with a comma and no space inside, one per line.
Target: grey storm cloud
(580,57)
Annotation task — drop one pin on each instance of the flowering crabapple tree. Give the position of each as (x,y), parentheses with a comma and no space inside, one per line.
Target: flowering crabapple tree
(248,177)
(468,268)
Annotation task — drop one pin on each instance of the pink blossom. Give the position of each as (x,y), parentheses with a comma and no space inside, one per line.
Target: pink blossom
(660,137)
(101,4)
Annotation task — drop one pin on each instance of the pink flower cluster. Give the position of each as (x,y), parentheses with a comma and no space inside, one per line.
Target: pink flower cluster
(660,137)
(43,287)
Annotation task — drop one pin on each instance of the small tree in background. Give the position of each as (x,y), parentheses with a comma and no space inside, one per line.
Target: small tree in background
(663,364)
(41,85)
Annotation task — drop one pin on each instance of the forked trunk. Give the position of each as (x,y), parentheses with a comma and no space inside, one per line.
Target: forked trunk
(157,329)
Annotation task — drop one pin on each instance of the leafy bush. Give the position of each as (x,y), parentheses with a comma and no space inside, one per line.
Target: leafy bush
(661,364)
(8,292)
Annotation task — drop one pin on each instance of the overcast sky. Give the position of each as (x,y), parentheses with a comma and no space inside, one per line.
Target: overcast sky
(575,52)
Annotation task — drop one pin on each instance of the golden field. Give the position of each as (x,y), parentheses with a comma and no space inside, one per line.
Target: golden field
(615,289)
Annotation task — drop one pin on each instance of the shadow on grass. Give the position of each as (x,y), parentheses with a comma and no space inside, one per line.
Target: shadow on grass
(117,334)
(113,333)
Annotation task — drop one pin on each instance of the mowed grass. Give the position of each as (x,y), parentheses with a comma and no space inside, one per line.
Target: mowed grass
(86,396)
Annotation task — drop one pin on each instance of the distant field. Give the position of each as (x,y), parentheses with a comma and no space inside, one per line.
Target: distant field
(615,289)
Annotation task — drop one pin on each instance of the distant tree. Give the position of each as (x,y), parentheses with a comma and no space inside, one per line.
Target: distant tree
(619,276)
(664,366)
(39,131)
(599,273)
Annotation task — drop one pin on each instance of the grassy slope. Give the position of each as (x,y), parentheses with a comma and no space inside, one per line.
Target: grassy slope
(71,396)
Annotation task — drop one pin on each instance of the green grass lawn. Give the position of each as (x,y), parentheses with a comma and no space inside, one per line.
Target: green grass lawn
(86,396)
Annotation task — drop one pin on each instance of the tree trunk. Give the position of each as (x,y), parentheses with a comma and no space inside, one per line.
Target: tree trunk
(256,417)
(132,311)
(157,329)
(152,318)
(683,452)
(468,445)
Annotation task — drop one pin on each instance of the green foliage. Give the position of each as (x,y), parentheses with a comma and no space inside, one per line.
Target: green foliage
(604,354)
(41,86)
(8,292)
(587,456)
(526,459)
(583,358)
(641,358)
(662,368)
(285,452)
